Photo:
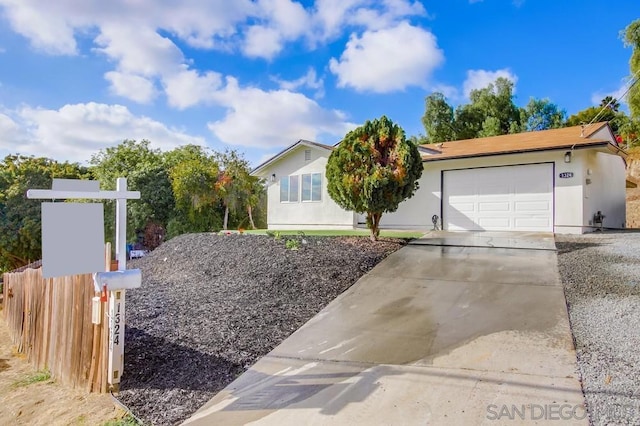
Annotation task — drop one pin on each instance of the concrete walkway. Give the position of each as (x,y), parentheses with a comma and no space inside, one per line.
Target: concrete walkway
(453,329)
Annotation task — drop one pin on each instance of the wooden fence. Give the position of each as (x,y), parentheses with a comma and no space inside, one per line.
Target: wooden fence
(50,322)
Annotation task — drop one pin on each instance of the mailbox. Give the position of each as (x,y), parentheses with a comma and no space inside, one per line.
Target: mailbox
(117,280)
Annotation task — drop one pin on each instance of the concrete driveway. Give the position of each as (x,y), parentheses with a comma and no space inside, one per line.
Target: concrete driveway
(456,328)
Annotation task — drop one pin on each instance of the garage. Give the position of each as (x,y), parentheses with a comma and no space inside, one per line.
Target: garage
(506,198)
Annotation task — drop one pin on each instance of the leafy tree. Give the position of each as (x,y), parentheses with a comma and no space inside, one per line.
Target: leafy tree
(20,218)
(491,112)
(146,172)
(630,129)
(629,132)
(497,113)
(438,119)
(256,199)
(373,169)
(233,184)
(194,174)
(631,37)
(184,153)
(238,190)
(541,114)
(588,115)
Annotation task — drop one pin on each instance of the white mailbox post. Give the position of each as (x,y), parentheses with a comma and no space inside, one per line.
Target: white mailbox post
(114,282)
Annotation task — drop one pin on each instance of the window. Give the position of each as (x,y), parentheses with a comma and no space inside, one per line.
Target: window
(289,189)
(307,155)
(312,187)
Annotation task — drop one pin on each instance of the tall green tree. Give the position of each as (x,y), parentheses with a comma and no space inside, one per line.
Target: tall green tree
(490,112)
(541,114)
(146,172)
(631,37)
(373,169)
(233,183)
(438,119)
(194,174)
(611,103)
(256,200)
(497,112)
(20,218)
(597,113)
(630,129)
(239,191)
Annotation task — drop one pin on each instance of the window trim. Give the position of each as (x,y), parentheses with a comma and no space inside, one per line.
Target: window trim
(311,199)
(289,192)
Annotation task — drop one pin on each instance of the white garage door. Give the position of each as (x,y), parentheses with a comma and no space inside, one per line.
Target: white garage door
(510,198)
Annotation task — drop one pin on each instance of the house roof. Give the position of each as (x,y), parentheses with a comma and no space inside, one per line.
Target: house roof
(543,140)
(285,151)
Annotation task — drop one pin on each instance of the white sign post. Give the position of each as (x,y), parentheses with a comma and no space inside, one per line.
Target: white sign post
(77,189)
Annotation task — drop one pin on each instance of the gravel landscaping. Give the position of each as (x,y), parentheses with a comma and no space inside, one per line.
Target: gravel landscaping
(601,277)
(211,305)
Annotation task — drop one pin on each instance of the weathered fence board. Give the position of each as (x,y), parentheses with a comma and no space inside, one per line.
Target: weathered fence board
(50,322)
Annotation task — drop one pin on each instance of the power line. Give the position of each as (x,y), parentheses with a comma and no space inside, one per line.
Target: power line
(631,83)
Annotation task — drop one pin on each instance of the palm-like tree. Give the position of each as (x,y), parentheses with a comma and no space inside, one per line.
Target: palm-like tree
(611,103)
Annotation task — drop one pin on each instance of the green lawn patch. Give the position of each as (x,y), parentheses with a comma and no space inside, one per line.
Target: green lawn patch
(37,377)
(343,232)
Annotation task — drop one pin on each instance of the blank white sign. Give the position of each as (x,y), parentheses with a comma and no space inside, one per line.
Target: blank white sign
(72,239)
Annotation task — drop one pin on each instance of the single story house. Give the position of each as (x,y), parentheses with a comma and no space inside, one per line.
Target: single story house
(556,180)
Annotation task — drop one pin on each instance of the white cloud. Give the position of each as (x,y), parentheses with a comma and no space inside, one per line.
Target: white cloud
(131,86)
(131,34)
(289,17)
(10,132)
(150,54)
(450,92)
(52,29)
(75,132)
(388,60)
(273,119)
(479,79)
(391,12)
(309,80)
(262,42)
(619,93)
(188,88)
(48,32)
(202,24)
(284,20)
(331,16)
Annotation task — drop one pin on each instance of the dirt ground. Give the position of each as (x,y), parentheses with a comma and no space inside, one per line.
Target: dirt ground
(633,208)
(44,402)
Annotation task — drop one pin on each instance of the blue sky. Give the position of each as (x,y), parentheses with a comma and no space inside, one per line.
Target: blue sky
(78,76)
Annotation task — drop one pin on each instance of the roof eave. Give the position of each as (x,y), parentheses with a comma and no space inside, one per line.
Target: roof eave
(523,151)
(618,151)
(256,171)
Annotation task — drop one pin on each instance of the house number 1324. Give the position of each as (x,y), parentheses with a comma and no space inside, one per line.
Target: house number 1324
(116,325)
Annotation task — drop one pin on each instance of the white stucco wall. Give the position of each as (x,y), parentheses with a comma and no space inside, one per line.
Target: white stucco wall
(606,190)
(575,201)
(572,211)
(324,214)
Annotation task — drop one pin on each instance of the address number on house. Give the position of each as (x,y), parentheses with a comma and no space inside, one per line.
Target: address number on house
(566,175)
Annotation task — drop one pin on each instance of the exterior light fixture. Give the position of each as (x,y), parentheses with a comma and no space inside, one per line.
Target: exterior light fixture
(567,157)
(273,177)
